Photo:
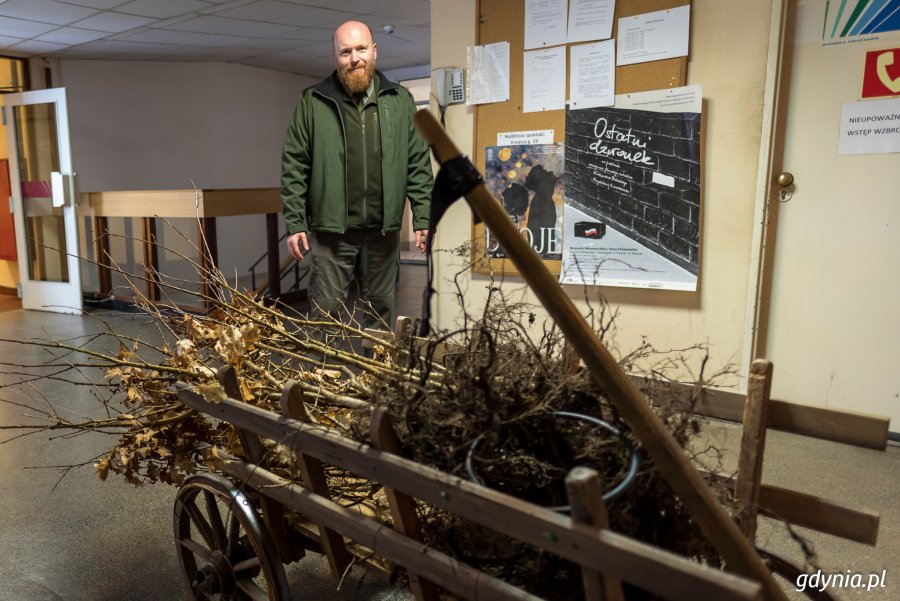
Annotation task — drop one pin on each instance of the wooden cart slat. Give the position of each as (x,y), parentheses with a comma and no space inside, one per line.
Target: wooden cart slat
(456,577)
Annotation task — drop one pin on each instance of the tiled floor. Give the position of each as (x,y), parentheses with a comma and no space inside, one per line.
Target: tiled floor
(80,539)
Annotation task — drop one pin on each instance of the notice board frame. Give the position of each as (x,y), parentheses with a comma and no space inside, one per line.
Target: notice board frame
(504,21)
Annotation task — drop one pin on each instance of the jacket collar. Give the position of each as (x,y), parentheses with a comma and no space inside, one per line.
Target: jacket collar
(332,88)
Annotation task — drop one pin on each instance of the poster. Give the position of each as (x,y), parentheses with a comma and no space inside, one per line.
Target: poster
(847,22)
(529,180)
(632,192)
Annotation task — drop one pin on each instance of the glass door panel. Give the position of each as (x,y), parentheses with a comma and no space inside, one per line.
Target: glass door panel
(43,192)
(38,157)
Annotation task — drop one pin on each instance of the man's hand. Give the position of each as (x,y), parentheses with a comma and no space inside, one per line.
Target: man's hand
(297,245)
(421,237)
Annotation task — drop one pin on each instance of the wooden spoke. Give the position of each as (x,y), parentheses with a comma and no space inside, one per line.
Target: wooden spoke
(201,525)
(251,563)
(214,513)
(196,548)
(252,590)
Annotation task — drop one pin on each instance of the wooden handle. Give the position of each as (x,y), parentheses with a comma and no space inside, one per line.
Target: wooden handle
(659,444)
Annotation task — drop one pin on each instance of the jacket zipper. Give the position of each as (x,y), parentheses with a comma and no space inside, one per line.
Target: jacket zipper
(343,133)
(365,198)
(383,207)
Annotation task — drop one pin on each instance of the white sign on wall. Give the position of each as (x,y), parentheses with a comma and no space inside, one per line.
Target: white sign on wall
(537,136)
(870,127)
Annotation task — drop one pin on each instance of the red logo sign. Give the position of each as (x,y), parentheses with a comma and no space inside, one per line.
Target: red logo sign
(881,78)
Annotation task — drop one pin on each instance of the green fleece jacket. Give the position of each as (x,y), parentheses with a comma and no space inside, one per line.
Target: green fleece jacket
(314,167)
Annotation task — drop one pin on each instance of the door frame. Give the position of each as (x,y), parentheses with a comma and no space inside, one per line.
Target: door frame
(59,297)
(771,155)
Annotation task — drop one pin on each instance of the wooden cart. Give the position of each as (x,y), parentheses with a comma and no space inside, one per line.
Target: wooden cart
(234,534)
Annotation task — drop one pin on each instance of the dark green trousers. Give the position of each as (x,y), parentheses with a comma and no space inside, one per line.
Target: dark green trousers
(369,257)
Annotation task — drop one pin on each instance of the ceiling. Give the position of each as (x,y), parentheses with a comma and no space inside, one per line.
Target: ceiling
(285,35)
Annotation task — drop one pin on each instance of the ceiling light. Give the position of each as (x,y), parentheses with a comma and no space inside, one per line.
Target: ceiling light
(389,28)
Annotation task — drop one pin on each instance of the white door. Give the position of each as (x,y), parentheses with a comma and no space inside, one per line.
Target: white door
(834,326)
(43,196)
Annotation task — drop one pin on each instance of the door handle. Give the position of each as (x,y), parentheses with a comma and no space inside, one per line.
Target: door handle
(60,189)
(785,180)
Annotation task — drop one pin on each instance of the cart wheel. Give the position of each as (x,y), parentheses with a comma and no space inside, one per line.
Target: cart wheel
(224,548)
(789,571)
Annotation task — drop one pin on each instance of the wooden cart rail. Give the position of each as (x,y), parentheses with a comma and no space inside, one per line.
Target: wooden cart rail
(598,551)
(757,413)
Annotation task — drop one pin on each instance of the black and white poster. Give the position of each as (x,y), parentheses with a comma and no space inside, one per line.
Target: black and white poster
(632,192)
(528,179)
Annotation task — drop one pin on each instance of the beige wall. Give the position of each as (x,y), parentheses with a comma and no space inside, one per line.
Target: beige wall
(733,85)
(9,274)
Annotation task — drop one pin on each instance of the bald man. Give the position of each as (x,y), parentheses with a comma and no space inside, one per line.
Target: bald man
(351,158)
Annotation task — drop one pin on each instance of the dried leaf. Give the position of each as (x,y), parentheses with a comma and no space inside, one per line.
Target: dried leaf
(185,351)
(246,393)
(102,468)
(250,335)
(212,392)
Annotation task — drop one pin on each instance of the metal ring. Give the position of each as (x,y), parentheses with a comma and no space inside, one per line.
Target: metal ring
(633,460)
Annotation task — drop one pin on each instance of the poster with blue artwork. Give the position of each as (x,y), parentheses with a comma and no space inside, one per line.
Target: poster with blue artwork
(529,180)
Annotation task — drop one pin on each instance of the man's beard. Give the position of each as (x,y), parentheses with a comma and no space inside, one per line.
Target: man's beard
(357,80)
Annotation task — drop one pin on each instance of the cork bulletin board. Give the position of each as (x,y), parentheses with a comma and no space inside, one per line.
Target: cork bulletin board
(504,20)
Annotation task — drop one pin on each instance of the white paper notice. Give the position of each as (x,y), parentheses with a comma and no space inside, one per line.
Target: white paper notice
(518,138)
(545,23)
(686,99)
(590,20)
(870,127)
(544,87)
(488,68)
(592,77)
(654,36)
